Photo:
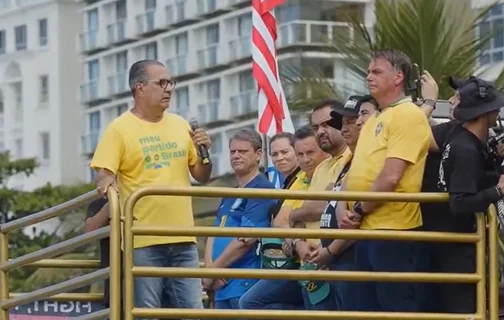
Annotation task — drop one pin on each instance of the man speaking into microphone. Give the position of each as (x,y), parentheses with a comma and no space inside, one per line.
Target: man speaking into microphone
(148,147)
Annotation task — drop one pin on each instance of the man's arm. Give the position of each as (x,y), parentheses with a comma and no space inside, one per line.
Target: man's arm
(404,147)
(310,211)
(282,218)
(98,216)
(199,171)
(107,159)
(466,171)
(208,252)
(256,215)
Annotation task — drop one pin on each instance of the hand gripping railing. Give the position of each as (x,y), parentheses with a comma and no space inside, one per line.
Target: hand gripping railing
(41,257)
(478,278)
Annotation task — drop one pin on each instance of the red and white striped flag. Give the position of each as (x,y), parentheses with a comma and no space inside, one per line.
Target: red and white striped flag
(274,115)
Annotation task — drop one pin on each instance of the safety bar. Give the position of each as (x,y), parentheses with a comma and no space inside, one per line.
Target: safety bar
(292,314)
(50,213)
(34,259)
(130,270)
(61,287)
(81,297)
(56,249)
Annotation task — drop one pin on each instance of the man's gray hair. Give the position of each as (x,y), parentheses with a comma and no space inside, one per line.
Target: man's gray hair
(248,135)
(138,74)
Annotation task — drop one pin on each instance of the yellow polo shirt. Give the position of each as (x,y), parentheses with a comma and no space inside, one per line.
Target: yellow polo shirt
(402,132)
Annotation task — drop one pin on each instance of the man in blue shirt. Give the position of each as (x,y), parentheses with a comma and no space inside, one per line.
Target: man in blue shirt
(245,149)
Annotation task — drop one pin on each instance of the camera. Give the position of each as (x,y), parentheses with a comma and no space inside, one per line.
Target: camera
(493,143)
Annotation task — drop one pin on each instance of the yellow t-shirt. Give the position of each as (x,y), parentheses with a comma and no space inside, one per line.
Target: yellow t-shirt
(300,184)
(142,154)
(326,173)
(401,132)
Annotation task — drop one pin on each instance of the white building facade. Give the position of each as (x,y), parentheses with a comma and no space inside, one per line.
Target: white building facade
(206,45)
(39,72)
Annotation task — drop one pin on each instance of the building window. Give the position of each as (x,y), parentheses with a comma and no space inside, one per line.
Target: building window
(21,37)
(45,145)
(244,25)
(17,89)
(182,101)
(2,42)
(151,51)
(44,88)
(18,148)
(43,32)
(493,51)
(92,174)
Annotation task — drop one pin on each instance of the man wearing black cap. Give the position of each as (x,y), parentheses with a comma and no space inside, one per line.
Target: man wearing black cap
(473,182)
(339,254)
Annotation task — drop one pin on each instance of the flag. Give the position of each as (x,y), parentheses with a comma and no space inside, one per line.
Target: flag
(273,113)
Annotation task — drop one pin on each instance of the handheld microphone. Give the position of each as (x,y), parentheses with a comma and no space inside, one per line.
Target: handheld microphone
(202,150)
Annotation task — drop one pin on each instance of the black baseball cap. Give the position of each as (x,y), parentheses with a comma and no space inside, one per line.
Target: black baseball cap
(350,109)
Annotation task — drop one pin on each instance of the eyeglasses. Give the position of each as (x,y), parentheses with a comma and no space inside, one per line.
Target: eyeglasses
(165,83)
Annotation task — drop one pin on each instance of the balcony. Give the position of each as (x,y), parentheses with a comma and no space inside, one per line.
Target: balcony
(118,84)
(243,104)
(91,40)
(240,48)
(178,65)
(210,57)
(220,164)
(91,92)
(178,13)
(116,32)
(89,142)
(211,7)
(209,112)
(150,22)
(314,33)
(2,123)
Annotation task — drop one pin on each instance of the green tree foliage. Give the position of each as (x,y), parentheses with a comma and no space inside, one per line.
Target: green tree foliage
(15,204)
(438,35)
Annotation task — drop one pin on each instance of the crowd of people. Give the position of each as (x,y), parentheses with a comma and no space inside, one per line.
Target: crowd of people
(381,142)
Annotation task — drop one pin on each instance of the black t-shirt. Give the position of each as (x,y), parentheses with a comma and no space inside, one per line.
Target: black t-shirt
(469,175)
(435,215)
(93,208)
(328,219)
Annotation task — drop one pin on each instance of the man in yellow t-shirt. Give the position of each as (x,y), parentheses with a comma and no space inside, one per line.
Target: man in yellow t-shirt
(389,157)
(148,147)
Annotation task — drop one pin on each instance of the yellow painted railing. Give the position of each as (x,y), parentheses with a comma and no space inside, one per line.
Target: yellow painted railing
(486,229)
(41,258)
(479,239)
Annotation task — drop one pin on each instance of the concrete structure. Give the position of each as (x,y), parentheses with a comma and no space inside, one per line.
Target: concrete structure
(206,45)
(39,73)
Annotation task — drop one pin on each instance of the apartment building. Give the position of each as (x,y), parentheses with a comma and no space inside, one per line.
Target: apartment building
(206,45)
(39,72)
(491,59)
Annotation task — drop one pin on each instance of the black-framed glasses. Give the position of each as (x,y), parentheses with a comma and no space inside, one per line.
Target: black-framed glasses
(165,83)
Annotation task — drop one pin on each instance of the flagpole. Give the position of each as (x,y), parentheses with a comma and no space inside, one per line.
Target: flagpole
(265,154)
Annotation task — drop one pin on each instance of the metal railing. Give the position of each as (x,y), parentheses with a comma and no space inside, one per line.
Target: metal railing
(478,238)
(41,258)
(56,292)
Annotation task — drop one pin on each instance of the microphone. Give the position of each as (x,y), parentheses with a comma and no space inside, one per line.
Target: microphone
(202,150)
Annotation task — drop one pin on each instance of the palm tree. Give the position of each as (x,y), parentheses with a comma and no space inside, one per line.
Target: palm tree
(439,35)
